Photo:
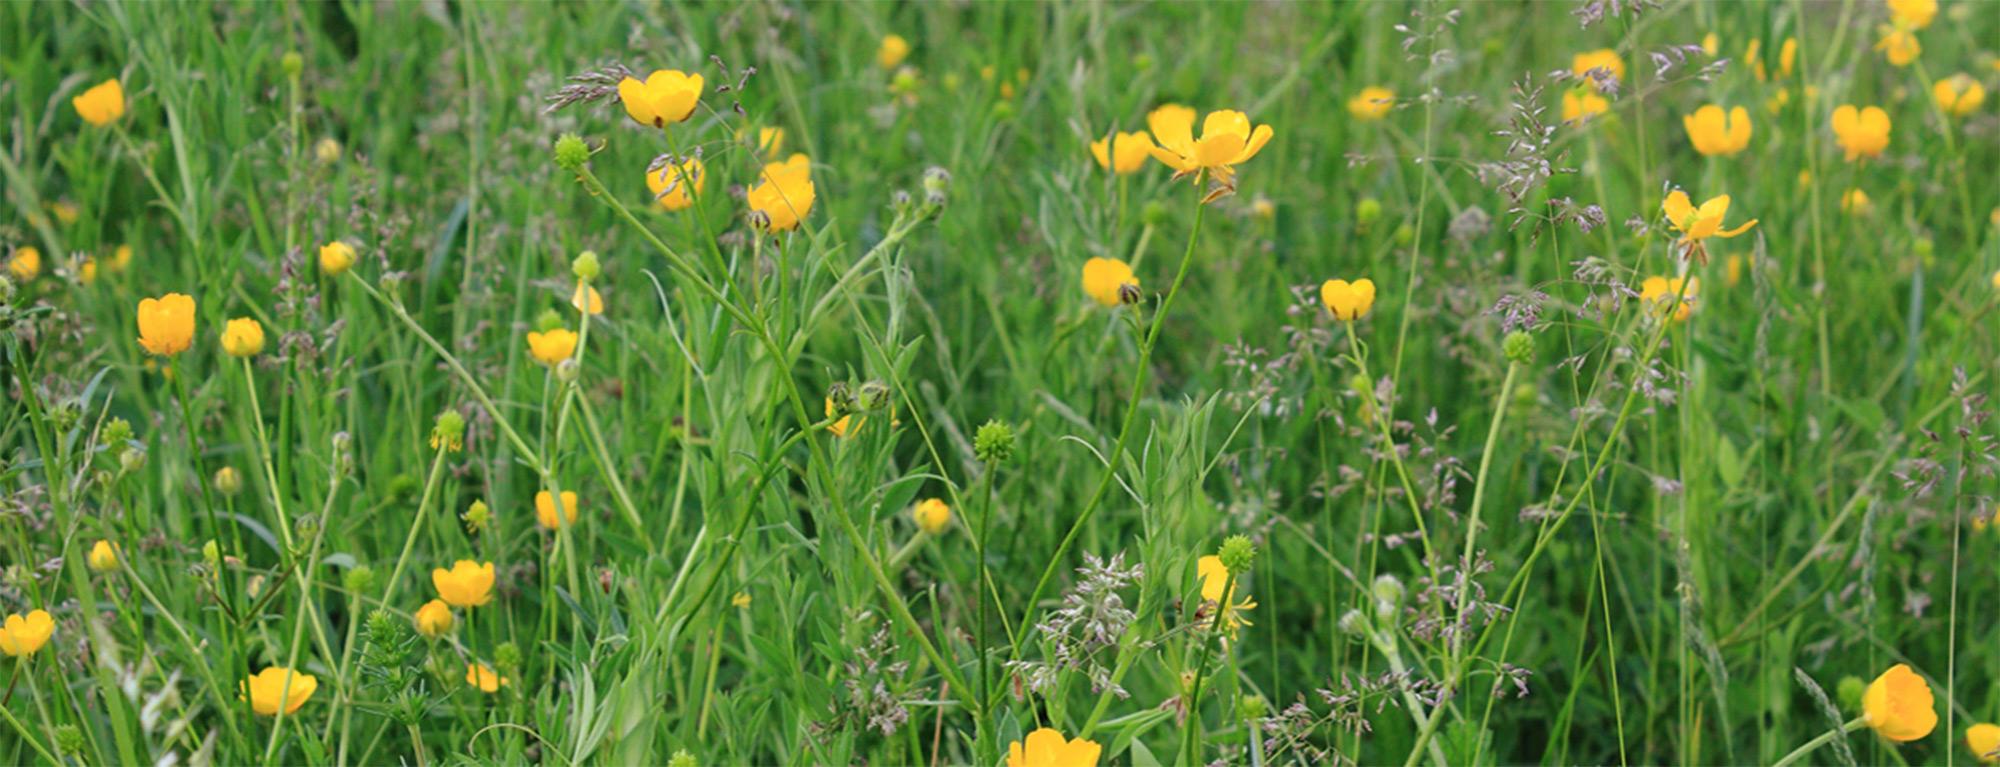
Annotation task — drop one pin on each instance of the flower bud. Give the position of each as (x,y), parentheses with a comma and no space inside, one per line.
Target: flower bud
(548,320)
(103,557)
(477,516)
(1155,213)
(211,554)
(449,432)
(293,63)
(1252,707)
(1237,553)
(132,459)
(874,395)
(507,655)
(1129,294)
(69,740)
(1405,235)
(568,370)
(682,759)
(571,152)
(585,266)
(358,579)
(1849,691)
(327,151)
(994,442)
(1388,588)
(1367,212)
(228,480)
(1520,347)
(1353,622)
(116,430)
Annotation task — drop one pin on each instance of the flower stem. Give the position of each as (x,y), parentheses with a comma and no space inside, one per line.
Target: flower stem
(1826,737)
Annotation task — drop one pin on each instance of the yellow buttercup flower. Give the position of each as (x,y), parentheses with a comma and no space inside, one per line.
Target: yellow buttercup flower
(1046,747)
(276,684)
(1348,300)
(482,677)
(22,636)
(335,258)
(103,557)
(166,324)
(1710,43)
(121,258)
(1227,140)
(586,298)
(1699,224)
(466,584)
(666,96)
(1603,58)
(1899,45)
(1123,152)
(552,347)
(1855,202)
(25,263)
(1715,134)
(1959,95)
(103,104)
(1915,14)
(1788,56)
(784,196)
(243,337)
(742,599)
(1372,103)
(1105,280)
(932,515)
(1214,577)
(434,619)
(1899,705)
(87,271)
(674,186)
(1657,291)
(545,509)
(1861,132)
(1984,741)
(892,51)
(1583,103)
(770,141)
(65,211)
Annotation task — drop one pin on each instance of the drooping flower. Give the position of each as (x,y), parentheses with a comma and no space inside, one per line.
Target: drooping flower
(277,684)
(243,337)
(1699,224)
(1861,132)
(25,263)
(586,298)
(892,51)
(1214,578)
(1959,95)
(103,104)
(674,186)
(335,258)
(466,584)
(1372,103)
(434,619)
(103,557)
(1582,104)
(484,678)
(21,636)
(1715,134)
(1899,705)
(1602,58)
(1348,300)
(166,324)
(1984,741)
(1227,140)
(1046,747)
(932,515)
(666,96)
(552,347)
(1899,45)
(784,196)
(545,509)
(1105,279)
(1914,14)
(1123,152)
(1657,291)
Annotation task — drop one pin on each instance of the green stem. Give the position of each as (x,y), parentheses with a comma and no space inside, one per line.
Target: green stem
(1827,737)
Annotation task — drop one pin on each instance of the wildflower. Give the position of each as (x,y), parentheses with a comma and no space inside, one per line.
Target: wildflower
(1710,43)
(434,619)
(932,516)
(740,600)
(87,271)
(674,186)
(103,104)
(482,676)
(1714,134)
(1046,747)
(784,196)
(277,684)
(1603,58)
(26,263)
(1984,740)
(1854,202)
(476,516)
(466,584)
(552,347)
(65,211)
(770,141)
(103,557)
(545,509)
(1698,224)
(1659,290)
(1788,56)
(1863,132)
(1959,95)
(994,442)
(666,96)
(243,337)
(228,480)
(335,258)
(586,298)
(166,324)
(448,431)
(327,151)
(1372,103)
(20,637)
(1732,269)
(1348,301)
(1227,139)
(121,258)
(1214,576)
(1899,45)
(1123,152)
(1899,705)
(1105,280)
(1914,14)
(892,51)
(1583,104)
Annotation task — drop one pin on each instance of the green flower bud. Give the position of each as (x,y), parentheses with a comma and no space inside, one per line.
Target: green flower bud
(548,320)
(358,579)
(117,430)
(1142,62)
(293,63)
(69,739)
(1003,110)
(585,266)
(507,655)
(571,152)
(1849,692)
(568,370)
(477,516)
(132,459)
(1367,211)
(994,443)
(874,395)
(211,553)
(1353,622)
(1406,234)
(1155,213)
(1520,347)
(1237,553)
(1388,588)
(682,759)
(449,431)
(1253,707)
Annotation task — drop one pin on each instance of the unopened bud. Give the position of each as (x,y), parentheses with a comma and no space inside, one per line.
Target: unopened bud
(994,443)
(1520,347)
(585,266)
(132,459)
(1237,553)
(228,480)
(293,63)
(571,152)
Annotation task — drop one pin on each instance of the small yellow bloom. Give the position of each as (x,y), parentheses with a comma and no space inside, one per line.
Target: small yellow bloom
(1698,224)
(1959,95)
(784,196)
(1657,291)
(846,425)
(86,272)
(335,258)
(1899,45)
(1710,44)
(1105,278)
(892,51)
(103,557)
(121,258)
(243,337)
(1227,139)
(434,619)
(327,151)
(21,636)
(1583,103)
(481,676)
(674,186)
(166,324)
(277,683)
(1603,58)
(1984,741)
(1855,202)
(932,515)
(466,584)
(1123,152)
(1788,56)
(666,96)
(742,599)
(1046,747)
(586,296)
(103,104)
(770,141)
(1715,134)
(1214,577)
(1899,705)
(1732,269)
(545,509)
(1372,103)
(1863,132)
(65,211)
(552,347)
(1348,300)
(26,263)
(1915,14)
(1750,57)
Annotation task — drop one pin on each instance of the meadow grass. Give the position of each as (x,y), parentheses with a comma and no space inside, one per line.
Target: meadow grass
(1508,504)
